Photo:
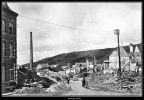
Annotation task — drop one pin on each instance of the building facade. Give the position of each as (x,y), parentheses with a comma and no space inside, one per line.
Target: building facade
(130,59)
(114,61)
(9,44)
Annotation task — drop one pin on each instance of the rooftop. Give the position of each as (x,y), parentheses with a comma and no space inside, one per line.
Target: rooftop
(6,8)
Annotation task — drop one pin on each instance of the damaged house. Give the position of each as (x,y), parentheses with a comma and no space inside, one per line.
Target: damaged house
(130,59)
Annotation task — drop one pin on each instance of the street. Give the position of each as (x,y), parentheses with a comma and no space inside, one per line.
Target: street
(78,90)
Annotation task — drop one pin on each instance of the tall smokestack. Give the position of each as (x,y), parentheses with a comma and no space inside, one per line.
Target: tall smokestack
(31,52)
(131,47)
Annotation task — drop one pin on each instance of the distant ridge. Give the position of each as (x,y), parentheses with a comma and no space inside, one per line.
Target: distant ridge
(80,56)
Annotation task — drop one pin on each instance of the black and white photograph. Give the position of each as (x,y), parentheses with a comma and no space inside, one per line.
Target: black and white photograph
(71,49)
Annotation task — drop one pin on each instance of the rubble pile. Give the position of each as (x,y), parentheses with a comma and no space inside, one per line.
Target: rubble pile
(54,89)
(44,88)
(31,90)
(105,80)
(137,78)
(111,81)
(129,74)
(61,88)
(98,79)
(137,89)
(49,83)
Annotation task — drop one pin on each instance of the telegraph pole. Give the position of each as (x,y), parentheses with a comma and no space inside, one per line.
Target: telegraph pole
(119,70)
(31,52)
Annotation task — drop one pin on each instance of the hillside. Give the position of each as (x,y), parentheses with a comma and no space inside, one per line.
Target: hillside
(80,56)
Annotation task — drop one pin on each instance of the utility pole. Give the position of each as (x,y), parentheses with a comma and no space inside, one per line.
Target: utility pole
(94,64)
(119,70)
(31,52)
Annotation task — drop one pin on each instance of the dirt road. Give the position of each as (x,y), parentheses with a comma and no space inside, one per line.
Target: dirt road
(78,90)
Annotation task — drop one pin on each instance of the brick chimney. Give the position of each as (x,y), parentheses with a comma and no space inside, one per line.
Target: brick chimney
(131,47)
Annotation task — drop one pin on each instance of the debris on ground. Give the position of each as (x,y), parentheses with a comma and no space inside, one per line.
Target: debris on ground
(54,89)
(31,90)
(137,89)
(131,82)
(46,85)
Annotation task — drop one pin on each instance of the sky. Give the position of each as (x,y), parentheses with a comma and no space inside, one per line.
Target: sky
(93,26)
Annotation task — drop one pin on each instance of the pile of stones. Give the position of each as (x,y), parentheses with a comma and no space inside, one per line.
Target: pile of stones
(55,89)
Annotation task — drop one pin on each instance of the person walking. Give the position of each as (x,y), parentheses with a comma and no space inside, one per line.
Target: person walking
(83,82)
(68,79)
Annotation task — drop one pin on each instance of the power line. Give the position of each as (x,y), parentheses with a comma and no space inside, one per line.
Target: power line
(55,23)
